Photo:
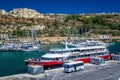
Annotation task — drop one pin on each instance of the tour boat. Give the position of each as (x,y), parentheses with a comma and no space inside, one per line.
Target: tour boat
(57,56)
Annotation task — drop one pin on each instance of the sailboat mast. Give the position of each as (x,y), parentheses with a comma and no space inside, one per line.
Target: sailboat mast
(33,34)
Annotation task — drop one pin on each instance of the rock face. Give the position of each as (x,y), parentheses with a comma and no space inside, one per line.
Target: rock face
(25,13)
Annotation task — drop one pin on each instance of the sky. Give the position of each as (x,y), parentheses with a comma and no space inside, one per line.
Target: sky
(64,6)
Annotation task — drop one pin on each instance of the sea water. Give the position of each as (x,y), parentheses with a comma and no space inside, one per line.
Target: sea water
(13,62)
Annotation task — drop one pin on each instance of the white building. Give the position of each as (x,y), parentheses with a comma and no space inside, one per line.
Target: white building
(2,12)
(3,37)
(39,27)
(104,36)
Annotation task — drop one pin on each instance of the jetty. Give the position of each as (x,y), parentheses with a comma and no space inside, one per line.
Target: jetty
(108,71)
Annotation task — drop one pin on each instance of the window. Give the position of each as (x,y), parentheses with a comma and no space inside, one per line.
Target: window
(79,56)
(77,50)
(79,64)
(66,66)
(88,55)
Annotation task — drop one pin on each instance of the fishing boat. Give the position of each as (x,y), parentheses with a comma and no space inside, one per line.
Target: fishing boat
(57,56)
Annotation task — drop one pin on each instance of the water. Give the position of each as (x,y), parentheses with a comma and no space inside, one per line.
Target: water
(114,48)
(13,62)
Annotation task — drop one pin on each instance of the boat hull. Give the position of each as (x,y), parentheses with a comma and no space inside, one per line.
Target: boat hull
(52,64)
(46,65)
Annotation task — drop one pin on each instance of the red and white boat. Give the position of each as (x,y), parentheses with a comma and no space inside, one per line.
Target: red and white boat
(57,56)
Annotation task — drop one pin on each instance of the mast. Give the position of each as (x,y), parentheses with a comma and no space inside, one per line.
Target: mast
(66,47)
(33,34)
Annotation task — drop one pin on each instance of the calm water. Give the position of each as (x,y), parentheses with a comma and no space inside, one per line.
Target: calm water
(13,62)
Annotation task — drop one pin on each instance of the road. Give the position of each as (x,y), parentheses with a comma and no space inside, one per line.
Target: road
(108,71)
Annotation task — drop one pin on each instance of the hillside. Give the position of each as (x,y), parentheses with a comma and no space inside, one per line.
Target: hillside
(61,24)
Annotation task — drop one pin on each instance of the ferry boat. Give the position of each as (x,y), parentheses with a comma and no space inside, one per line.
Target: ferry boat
(57,56)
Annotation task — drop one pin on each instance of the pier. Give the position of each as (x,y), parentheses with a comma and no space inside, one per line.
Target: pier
(108,71)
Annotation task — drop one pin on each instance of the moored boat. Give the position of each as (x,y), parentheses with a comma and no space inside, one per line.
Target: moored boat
(9,47)
(33,45)
(57,56)
(29,46)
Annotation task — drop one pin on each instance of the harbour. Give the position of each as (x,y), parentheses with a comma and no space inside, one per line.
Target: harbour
(42,40)
(15,60)
(107,71)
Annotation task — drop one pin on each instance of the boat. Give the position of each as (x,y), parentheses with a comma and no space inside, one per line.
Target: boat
(29,46)
(57,56)
(9,47)
(84,42)
(33,45)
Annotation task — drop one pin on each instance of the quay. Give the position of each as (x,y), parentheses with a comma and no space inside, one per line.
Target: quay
(108,71)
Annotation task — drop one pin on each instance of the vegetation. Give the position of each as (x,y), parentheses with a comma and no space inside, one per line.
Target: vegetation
(70,25)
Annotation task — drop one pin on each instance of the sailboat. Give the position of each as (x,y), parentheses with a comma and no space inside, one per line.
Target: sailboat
(31,46)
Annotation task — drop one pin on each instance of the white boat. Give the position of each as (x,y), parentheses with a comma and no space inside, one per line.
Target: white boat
(83,43)
(9,47)
(27,46)
(31,46)
(56,57)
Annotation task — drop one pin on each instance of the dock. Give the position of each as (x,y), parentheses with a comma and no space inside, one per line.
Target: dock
(108,71)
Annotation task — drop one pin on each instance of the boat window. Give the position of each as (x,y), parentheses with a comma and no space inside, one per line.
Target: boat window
(68,51)
(50,59)
(100,53)
(97,54)
(103,53)
(77,50)
(56,58)
(71,57)
(75,57)
(82,55)
(41,58)
(93,54)
(79,56)
(45,58)
(88,55)
(83,50)
(52,52)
